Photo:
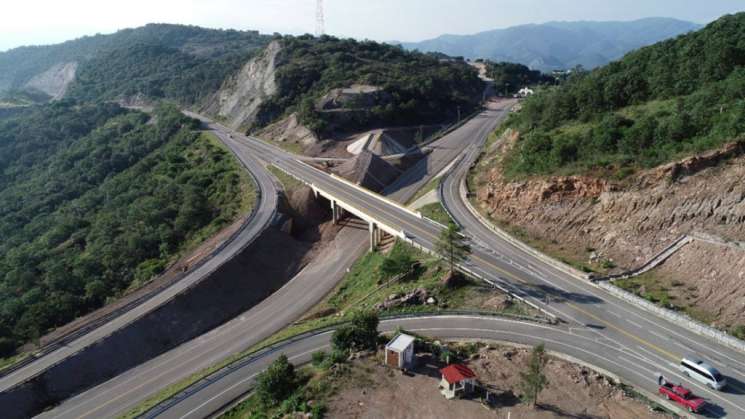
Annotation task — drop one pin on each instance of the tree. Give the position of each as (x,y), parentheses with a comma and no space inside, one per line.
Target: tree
(452,245)
(360,333)
(534,381)
(277,382)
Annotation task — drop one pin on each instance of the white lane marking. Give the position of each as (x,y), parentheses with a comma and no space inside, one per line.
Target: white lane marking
(648,371)
(661,360)
(604,298)
(635,324)
(613,313)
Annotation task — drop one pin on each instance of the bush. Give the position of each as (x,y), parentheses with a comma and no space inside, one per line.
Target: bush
(318,358)
(636,112)
(277,382)
(360,333)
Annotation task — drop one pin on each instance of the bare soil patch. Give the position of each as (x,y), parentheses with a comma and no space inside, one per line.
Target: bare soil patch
(610,226)
(574,391)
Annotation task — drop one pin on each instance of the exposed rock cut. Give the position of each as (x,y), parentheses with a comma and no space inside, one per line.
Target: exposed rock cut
(54,81)
(290,130)
(629,222)
(241,95)
(356,96)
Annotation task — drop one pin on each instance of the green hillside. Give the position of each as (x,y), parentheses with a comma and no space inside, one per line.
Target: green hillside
(176,62)
(95,199)
(674,98)
(420,87)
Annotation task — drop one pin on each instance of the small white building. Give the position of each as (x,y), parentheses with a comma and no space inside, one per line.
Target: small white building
(399,352)
(457,380)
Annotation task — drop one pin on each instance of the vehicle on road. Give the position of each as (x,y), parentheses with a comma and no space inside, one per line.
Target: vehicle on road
(680,395)
(703,373)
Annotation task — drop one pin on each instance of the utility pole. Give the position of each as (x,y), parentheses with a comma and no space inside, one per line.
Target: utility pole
(320,20)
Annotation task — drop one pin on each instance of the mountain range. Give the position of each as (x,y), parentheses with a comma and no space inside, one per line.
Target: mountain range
(558,45)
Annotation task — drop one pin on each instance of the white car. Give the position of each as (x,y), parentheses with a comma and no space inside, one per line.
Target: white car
(703,373)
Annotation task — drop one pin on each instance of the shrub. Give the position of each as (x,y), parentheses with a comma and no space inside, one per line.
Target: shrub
(277,382)
(360,333)
(318,358)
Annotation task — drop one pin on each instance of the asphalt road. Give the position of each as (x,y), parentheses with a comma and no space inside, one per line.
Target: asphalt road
(127,390)
(265,211)
(598,315)
(566,340)
(623,332)
(614,321)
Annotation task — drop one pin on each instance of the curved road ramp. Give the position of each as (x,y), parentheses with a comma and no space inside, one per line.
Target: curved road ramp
(225,285)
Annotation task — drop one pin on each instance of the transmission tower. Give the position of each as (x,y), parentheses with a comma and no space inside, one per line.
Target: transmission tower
(320,21)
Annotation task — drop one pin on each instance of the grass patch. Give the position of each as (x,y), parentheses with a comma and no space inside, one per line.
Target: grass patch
(429,187)
(11,360)
(436,212)
(289,183)
(293,148)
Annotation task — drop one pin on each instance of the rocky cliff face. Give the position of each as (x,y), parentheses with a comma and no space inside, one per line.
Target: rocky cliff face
(54,81)
(627,221)
(238,100)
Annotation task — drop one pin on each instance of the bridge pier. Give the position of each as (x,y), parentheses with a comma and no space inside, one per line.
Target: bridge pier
(374,239)
(334,210)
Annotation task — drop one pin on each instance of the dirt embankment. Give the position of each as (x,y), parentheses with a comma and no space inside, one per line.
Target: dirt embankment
(610,223)
(573,391)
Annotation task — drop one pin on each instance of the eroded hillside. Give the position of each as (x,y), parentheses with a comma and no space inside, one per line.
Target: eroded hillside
(612,166)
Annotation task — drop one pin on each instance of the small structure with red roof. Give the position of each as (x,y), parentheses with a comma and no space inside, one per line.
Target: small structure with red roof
(457,380)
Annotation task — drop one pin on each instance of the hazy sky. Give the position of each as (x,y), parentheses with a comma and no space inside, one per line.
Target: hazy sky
(24,22)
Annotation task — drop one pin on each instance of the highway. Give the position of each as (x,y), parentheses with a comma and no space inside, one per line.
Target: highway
(586,309)
(637,336)
(564,340)
(260,219)
(127,390)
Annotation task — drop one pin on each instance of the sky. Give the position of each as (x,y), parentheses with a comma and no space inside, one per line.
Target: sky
(35,22)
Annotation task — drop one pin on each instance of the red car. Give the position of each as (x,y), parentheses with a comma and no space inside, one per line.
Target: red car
(680,395)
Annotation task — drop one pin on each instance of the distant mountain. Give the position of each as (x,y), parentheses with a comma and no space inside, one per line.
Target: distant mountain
(558,45)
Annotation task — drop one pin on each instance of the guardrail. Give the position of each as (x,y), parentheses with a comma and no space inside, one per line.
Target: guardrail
(51,347)
(604,284)
(677,318)
(196,387)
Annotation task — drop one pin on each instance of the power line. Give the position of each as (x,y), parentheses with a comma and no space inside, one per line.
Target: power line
(320,20)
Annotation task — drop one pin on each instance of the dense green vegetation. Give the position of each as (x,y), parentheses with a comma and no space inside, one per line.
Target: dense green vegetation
(418,87)
(680,96)
(510,77)
(181,63)
(95,199)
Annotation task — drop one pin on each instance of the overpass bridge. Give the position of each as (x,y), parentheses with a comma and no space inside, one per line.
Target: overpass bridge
(580,304)
(340,206)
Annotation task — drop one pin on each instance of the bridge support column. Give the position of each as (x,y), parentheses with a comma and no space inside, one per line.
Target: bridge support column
(334,212)
(373,236)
